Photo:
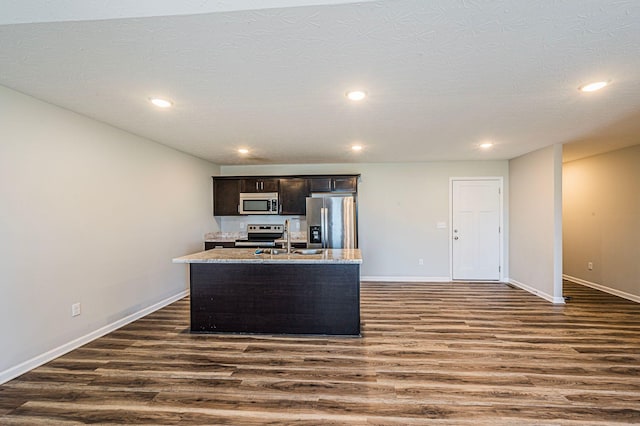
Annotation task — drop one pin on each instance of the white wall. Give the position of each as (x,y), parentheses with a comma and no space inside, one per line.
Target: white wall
(89,214)
(399,207)
(535,209)
(601,221)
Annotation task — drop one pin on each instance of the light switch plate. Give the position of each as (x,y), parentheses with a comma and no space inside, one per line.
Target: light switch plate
(75,309)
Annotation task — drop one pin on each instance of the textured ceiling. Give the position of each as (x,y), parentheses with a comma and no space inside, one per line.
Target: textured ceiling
(442,76)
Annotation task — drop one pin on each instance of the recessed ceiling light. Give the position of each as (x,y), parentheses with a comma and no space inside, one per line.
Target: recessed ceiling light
(592,87)
(161,103)
(486,145)
(356,95)
(356,148)
(243,151)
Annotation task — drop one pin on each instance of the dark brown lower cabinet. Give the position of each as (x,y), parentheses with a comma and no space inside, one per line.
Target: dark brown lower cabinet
(275,298)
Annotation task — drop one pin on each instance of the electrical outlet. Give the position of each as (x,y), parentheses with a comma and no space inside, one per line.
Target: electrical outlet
(75,309)
(420,261)
(590,266)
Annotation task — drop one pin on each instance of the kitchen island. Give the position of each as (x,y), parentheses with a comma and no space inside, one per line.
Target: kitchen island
(238,291)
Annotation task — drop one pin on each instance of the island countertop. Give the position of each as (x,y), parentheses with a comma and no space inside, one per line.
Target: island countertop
(246,255)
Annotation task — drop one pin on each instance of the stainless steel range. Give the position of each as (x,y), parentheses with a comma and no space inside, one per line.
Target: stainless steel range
(261,235)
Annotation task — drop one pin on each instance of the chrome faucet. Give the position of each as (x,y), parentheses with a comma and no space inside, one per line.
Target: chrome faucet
(287,229)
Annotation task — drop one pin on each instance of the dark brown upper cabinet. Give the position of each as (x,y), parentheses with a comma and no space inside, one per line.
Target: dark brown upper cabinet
(226,197)
(292,190)
(293,196)
(259,185)
(333,184)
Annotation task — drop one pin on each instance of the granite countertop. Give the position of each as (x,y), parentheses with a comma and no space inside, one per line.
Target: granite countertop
(296,237)
(224,236)
(245,255)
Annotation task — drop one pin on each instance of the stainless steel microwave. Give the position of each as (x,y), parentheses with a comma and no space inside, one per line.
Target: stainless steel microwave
(258,203)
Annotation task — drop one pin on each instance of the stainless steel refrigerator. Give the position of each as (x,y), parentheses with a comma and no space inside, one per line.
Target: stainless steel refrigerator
(331,221)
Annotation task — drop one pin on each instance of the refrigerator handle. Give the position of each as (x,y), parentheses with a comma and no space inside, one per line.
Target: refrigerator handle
(324,225)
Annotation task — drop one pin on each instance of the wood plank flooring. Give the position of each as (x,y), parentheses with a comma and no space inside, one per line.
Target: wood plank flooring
(444,353)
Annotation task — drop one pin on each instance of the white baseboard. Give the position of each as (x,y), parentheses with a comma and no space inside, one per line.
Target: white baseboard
(13,372)
(535,291)
(394,279)
(604,288)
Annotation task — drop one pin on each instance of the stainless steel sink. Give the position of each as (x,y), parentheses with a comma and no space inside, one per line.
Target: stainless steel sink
(284,251)
(278,251)
(308,251)
(271,251)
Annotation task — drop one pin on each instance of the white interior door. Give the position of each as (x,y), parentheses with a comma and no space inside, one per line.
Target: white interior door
(475,229)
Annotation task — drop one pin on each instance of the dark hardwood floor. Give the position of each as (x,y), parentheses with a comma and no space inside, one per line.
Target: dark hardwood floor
(430,354)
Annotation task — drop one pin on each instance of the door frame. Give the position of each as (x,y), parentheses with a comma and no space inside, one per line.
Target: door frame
(500,181)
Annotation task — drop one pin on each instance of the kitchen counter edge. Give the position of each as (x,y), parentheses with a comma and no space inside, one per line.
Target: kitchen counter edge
(243,255)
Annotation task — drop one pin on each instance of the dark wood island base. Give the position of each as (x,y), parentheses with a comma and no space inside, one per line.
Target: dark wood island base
(285,298)
(304,293)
